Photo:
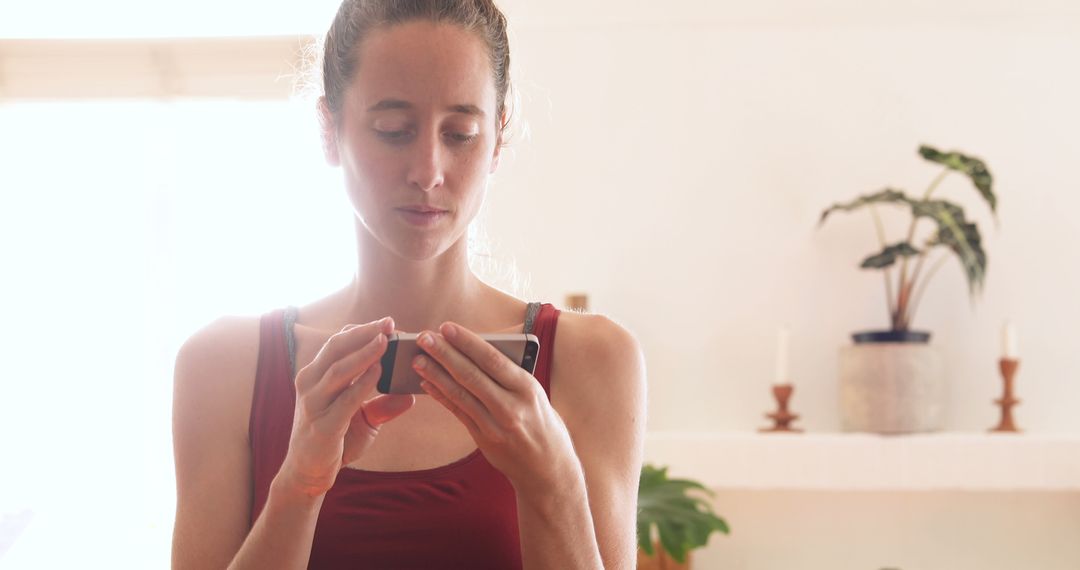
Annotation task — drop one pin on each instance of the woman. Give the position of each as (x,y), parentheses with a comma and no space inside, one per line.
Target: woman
(286,456)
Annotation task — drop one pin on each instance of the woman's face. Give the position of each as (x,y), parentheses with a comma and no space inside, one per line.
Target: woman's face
(418,137)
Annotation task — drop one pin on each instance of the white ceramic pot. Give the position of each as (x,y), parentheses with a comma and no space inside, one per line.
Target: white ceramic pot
(892,388)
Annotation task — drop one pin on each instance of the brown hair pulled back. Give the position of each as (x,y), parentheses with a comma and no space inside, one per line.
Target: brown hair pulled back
(356,18)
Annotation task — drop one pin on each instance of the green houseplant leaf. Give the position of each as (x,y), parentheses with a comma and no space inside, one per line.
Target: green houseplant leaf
(953,231)
(974,168)
(888,255)
(957,234)
(886,196)
(683,521)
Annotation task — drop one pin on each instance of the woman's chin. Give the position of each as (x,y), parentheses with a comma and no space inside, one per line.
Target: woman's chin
(420,250)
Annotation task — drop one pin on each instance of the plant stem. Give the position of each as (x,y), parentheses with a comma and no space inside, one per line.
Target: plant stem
(888,271)
(922,286)
(909,309)
(905,286)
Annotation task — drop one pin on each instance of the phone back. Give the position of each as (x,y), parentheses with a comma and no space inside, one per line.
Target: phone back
(398,376)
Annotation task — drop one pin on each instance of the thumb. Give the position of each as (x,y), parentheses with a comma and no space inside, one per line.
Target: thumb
(386,407)
(365,423)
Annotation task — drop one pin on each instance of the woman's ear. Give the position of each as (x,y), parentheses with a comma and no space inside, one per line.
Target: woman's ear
(328,130)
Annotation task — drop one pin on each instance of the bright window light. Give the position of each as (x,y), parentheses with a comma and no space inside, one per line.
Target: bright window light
(126,227)
(158,18)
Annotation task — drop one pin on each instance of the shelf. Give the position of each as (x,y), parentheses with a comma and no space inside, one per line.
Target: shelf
(853,462)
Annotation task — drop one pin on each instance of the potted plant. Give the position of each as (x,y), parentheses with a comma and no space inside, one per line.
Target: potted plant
(671,522)
(892,381)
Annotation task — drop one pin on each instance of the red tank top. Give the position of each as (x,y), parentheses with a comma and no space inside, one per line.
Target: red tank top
(460,515)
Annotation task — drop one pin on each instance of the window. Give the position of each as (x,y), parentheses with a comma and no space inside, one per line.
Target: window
(126,226)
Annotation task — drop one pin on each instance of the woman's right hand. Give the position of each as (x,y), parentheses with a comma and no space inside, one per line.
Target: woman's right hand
(332,424)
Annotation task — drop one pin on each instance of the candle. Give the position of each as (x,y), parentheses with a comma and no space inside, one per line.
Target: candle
(1008,341)
(783,338)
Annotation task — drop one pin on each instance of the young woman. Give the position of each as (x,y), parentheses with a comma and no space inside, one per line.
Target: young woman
(286,457)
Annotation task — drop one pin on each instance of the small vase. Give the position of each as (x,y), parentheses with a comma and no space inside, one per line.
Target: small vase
(660,560)
(892,387)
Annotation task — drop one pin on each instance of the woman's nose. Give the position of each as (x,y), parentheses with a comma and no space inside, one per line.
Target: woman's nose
(426,164)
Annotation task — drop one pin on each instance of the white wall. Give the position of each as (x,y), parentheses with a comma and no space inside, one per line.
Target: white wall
(679,159)
(909,531)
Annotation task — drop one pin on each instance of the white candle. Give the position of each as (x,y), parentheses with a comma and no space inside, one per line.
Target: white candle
(783,339)
(1008,341)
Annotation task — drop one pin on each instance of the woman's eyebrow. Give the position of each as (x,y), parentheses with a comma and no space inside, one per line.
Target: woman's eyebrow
(387,104)
(390,104)
(467,110)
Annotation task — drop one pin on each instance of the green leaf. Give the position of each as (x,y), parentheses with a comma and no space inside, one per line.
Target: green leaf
(886,196)
(957,234)
(674,539)
(888,255)
(974,168)
(953,230)
(684,521)
(644,536)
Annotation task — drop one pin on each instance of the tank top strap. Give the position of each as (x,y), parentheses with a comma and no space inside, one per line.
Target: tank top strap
(290,339)
(543,326)
(531,311)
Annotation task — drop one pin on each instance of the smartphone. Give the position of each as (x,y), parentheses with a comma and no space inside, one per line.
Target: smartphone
(398,376)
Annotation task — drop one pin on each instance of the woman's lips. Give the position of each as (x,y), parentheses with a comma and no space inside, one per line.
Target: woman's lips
(422,218)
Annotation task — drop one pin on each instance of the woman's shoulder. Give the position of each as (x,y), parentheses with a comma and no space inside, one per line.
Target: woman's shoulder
(593,337)
(228,340)
(593,354)
(216,365)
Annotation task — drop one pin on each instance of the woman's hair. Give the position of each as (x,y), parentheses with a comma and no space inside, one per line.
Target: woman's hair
(355,19)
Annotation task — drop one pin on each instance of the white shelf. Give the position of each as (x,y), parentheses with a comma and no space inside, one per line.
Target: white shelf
(855,462)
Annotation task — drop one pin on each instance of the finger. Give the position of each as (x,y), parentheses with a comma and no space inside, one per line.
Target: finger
(365,424)
(461,368)
(350,339)
(453,392)
(340,375)
(383,408)
(340,412)
(466,420)
(487,358)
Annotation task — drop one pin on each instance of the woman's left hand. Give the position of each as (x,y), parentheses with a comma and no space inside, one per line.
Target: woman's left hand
(504,408)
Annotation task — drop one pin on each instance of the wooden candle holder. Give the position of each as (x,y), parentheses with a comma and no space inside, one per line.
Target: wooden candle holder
(578,302)
(1007,401)
(782,418)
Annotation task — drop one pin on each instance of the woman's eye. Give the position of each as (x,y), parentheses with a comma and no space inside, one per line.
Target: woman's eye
(393,136)
(461,138)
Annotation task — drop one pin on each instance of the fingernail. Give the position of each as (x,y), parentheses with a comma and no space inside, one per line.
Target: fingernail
(419,362)
(426,341)
(447,330)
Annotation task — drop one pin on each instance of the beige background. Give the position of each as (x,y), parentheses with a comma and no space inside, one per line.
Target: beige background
(678,161)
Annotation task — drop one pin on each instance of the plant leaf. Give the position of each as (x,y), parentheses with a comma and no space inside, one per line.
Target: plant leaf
(644,536)
(974,168)
(957,234)
(683,521)
(888,255)
(887,195)
(673,537)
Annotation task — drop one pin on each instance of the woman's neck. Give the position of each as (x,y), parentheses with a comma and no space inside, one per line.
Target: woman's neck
(417,294)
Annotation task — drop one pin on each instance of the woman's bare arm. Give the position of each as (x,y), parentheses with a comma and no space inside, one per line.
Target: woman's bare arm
(598,387)
(213,462)
(332,426)
(282,535)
